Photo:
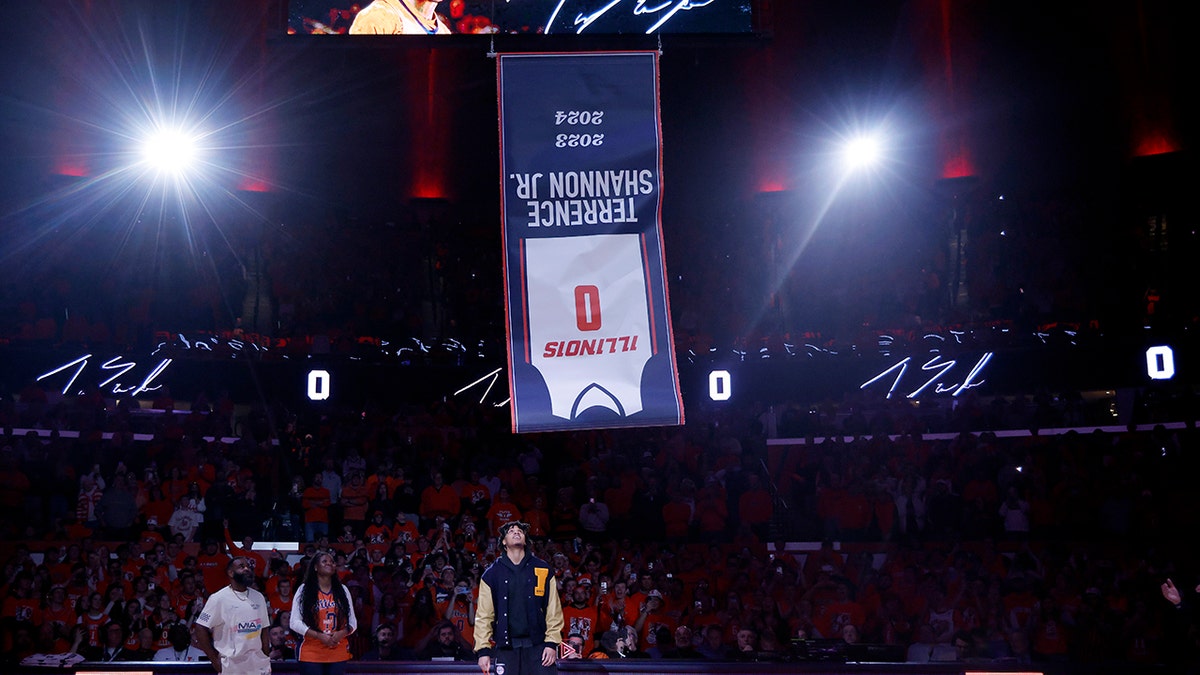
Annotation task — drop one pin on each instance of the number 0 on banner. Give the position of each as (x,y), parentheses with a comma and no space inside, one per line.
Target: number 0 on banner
(587,308)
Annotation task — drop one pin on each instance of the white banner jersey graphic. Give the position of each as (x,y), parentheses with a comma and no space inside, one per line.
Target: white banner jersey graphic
(589,321)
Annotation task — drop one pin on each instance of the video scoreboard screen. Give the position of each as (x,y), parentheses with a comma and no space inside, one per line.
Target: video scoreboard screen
(533,17)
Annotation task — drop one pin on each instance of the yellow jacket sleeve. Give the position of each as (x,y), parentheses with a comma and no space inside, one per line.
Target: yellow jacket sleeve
(554,614)
(485,618)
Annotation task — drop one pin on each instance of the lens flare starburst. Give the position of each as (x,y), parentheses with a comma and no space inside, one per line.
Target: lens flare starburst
(150,133)
(173,151)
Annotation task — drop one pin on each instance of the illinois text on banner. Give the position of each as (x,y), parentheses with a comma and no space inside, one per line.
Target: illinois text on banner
(589,326)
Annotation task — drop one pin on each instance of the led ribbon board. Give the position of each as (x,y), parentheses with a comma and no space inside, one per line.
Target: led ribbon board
(548,17)
(589,331)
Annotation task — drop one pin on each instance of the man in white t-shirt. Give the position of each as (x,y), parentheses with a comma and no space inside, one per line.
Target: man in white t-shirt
(233,626)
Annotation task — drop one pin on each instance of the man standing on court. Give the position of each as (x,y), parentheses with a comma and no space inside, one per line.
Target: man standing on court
(232,628)
(518,617)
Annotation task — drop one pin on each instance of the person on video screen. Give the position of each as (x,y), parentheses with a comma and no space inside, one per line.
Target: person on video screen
(400,17)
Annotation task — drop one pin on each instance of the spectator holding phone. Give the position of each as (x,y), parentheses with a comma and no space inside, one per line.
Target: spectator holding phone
(460,610)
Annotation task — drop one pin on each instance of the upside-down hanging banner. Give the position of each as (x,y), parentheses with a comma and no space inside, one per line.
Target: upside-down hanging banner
(588,321)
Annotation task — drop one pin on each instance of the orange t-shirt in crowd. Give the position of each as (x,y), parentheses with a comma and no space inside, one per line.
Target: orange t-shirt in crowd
(650,628)
(441,501)
(22,610)
(258,563)
(378,534)
(501,513)
(354,502)
(474,493)
(582,621)
(91,628)
(65,617)
(391,482)
(316,500)
(212,571)
(539,522)
(460,617)
(406,533)
(278,603)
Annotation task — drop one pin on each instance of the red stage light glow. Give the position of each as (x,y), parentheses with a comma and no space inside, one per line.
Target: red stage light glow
(958,166)
(249,184)
(1154,143)
(73,168)
(950,67)
(430,141)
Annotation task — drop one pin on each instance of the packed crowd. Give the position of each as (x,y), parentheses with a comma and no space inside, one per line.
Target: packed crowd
(665,542)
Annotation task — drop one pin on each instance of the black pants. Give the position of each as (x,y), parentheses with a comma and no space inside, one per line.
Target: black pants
(521,661)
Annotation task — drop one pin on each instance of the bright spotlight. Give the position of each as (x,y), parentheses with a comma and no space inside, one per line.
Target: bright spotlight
(170,151)
(862,152)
